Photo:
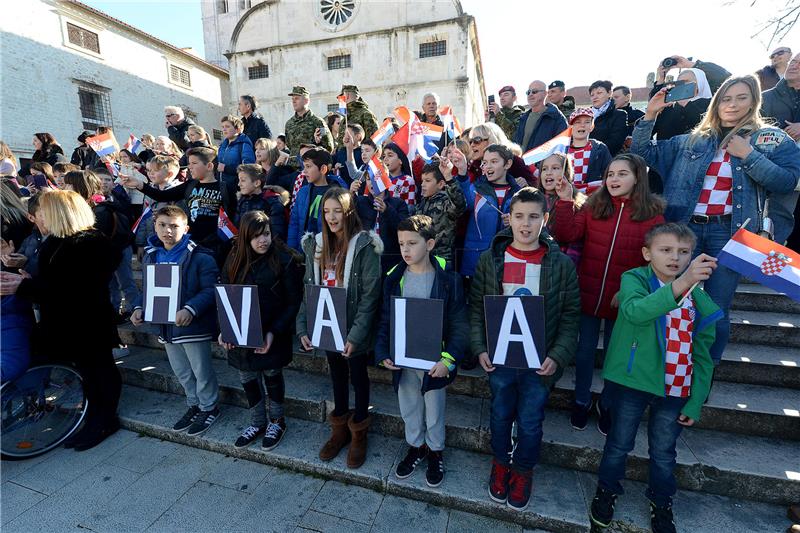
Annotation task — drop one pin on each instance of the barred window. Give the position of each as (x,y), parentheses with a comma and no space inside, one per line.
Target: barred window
(258,72)
(222,6)
(217,134)
(436,48)
(333,107)
(95,105)
(83,38)
(337,62)
(244,4)
(180,75)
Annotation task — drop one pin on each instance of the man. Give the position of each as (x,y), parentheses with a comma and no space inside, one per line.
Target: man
(770,75)
(430,110)
(178,126)
(301,127)
(557,95)
(541,122)
(506,115)
(255,126)
(622,101)
(357,113)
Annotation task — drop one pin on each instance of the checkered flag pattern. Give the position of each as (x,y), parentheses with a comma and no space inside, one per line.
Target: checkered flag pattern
(774,264)
(678,364)
(580,162)
(716,198)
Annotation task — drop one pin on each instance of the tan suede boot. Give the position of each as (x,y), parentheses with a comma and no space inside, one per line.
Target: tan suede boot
(357,453)
(339,438)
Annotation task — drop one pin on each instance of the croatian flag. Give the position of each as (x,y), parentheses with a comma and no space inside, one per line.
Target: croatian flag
(423,139)
(764,262)
(134,145)
(403,115)
(147,214)
(480,202)
(378,177)
(451,125)
(342,99)
(225,228)
(383,133)
(113,168)
(103,144)
(559,143)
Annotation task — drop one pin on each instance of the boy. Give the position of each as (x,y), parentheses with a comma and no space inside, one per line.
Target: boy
(306,216)
(162,171)
(60,170)
(443,201)
(253,197)
(658,357)
(521,261)
(590,157)
(188,341)
(421,394)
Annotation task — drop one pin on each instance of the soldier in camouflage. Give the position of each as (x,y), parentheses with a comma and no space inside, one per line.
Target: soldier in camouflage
(506,115)
(301,128)
(557,95)
(357,113)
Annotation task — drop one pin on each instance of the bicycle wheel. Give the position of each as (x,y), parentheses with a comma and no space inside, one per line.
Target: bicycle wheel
(40,409)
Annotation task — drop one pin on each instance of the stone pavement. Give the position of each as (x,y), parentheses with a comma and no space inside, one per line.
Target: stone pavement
(135,483)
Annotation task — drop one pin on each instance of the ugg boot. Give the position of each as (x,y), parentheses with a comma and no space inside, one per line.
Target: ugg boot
(357,453)
(339,438)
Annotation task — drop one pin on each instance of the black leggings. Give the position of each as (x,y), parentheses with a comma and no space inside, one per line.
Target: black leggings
(102,386)
(356,367)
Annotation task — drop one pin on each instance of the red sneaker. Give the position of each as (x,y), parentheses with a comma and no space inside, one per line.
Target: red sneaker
(520,487)
(498,482)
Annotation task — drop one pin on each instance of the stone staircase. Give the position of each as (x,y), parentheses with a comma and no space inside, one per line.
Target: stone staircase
(737,470)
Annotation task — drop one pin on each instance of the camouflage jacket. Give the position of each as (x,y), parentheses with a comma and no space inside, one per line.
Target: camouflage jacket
(508,119)
(300,130)
(445,207)
(358,113)
(567,106)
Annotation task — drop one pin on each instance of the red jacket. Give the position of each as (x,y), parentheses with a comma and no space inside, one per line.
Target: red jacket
(611,246)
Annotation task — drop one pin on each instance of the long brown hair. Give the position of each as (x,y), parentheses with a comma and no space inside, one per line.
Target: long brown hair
(334,249)
(711,125)
(84,182)
(645,204)
(242,257)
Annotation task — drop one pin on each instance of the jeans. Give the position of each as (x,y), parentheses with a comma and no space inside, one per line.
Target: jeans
(191,362)
(627,406)
(721,286)
(256,395)
(584,357)
(423,415)
(517,396)
(356,369)
(122,280)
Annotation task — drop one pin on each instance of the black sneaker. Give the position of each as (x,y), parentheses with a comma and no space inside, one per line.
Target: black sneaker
(434,475)
(204,420)
(661,519)
(249,434)
(413,457)
(187,419)
(603,419)
(275,431)
(602,511)
(580,416)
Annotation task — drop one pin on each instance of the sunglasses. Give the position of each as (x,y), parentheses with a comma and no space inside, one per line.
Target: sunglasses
(779,53)
(534,91)
(172,115)
(477,140)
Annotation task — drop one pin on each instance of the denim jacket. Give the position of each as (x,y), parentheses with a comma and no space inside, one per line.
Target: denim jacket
(772,168)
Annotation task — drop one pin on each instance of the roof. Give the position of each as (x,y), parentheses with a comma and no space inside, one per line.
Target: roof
(581,94)
(165,44)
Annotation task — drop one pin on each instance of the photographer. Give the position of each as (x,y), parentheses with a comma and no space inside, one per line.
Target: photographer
(715,74)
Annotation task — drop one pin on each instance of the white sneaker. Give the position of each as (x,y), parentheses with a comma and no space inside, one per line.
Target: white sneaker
(121,351)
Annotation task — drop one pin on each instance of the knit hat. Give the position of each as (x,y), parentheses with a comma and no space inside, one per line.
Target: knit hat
(580,112)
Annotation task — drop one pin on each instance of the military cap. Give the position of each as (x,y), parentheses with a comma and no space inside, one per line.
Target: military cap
(557,83)
(299,90)
(349,89)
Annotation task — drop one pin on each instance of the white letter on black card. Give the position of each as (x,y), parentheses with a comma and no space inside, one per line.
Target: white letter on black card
(171,292)
(515,312)
(239,328)
(325,306)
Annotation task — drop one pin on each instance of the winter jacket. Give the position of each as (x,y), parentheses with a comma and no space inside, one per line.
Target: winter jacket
(611,246)
(180,134)
(447,287)
(679,119)
(772,168)
(486,222)
(768,77)
(508,119)
(362,279)
(599,159)
(518,169)
(358,112)
(279,297)
(146,227)
(84,157)
(30,249)
(111,220)
(558,284)
(269,203)
(234,153)
(199,274)
(445,208)
(567,106)
(633,116)
(183,162)
(395,212)
(611,128)
(54,154)
(550,124)
(340,157)
(255,127)
(299,216)
(637,351)
(16,325)
(781,103)
(282,176)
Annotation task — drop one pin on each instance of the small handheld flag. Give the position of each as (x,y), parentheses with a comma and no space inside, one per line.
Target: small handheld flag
(342,99)
(451,125)
(378,177)
(147,213)
(103,144)
(559,143)
(134,144)
(225,228)
(424,138)
(383,133)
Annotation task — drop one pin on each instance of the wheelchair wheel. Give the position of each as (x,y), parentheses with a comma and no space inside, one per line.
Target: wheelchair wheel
(40,409)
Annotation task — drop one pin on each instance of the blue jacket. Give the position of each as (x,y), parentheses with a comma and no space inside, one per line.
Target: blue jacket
(599,159)
(269,203)
(484,224)
(199,274)
(299,214)
(773,167)
(455,337)
(234,153)
(550,124)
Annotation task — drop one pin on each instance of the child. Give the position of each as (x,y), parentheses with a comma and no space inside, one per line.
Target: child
(259,260)
(521,394)
(421,394)
(612,225)
(188,341)
(658,357)
(342,255)
(397,164)
(130,162)
(552,170)
(253,197)
(115,192)
(162,171)
(60,170)
(589,157)
(443,201)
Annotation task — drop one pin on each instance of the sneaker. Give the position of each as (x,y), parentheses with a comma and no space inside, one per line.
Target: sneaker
(204,420)
(580,416)
(498,482)
(275,431)
(434,475)
(413,457)
(120,351)
(603,419)
(661,520)
(187,419)
(249,434)
(602,511)
(520,486)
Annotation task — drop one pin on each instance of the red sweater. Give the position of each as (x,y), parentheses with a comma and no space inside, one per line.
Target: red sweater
(612,246)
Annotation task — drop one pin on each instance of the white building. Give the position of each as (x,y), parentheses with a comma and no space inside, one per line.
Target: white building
(395,51)
(67,67)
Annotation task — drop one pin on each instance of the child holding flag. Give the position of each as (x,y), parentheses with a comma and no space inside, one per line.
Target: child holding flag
(443,201)
(403,185)
(553,170)
(589,157)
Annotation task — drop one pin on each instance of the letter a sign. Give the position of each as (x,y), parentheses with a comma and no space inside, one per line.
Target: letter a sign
(239,315)
(326,317)
(515,330)
(162,292)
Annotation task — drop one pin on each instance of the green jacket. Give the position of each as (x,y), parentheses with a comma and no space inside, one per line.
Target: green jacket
(508,119)
(362,271)
(300,130)
(558,283)
(358,113)
(636,353)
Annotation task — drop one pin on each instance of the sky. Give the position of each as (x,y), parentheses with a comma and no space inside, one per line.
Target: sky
(586,40)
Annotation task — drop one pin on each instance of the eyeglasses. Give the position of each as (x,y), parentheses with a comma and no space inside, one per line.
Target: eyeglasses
(477,140)
(778,53)
(534,91)
(172,115)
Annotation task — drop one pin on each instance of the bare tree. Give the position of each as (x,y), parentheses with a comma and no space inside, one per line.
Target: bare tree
(779,23)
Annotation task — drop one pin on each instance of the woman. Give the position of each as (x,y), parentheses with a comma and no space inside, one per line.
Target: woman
(148,141)
(8,162)
(75,267)
(334,122)
(684,115)
(236,148)
(273,161)
(163,145)
(719,176)
(484,135)
(47,149)
(198,138)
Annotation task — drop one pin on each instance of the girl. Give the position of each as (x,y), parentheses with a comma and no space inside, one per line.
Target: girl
(553,170)
(259,260)
(403,185)
(612,225)
(481,137)
(342,255)
(198,136)
(163,145)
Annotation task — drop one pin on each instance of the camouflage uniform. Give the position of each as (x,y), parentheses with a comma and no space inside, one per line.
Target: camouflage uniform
(508,119)
(445,207)
(357,113)
(300,129)
(567,106)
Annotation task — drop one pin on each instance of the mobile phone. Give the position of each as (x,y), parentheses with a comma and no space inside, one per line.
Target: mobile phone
(491,101)
(491,98)
(682,91)
(40,181)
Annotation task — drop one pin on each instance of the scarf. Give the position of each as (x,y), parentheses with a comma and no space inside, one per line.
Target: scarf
(603,109)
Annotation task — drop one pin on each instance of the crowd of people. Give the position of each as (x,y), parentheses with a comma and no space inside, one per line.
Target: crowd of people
(615,233)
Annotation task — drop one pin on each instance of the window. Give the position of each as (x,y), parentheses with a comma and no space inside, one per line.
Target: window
(337,62)
(333,108)
(222,6)
(217,134)
(83,38)
(436,48)
(258,72)
(180,76)
(95,105)
(336,12)
(244,4)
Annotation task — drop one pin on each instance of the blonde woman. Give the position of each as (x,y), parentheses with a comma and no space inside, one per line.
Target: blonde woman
(163,145)
(482,136)
(273,161)
(8,162)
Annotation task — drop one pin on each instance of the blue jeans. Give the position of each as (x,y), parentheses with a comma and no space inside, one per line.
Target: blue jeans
(517,395)
(584,357)
(627,406)
(721,286)
(122,280)
(191,363)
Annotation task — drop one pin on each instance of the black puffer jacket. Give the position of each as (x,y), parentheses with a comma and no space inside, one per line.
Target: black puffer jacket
(180,134)
(611,128)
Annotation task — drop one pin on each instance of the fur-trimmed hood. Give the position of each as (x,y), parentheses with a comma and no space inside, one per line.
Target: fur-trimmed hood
(312,246)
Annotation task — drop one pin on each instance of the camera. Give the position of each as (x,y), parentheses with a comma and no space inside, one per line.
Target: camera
(669,62)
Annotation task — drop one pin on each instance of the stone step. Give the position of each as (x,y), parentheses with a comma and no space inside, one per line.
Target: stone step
(750,467)
(752,297)
(766,329)
(560,498)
